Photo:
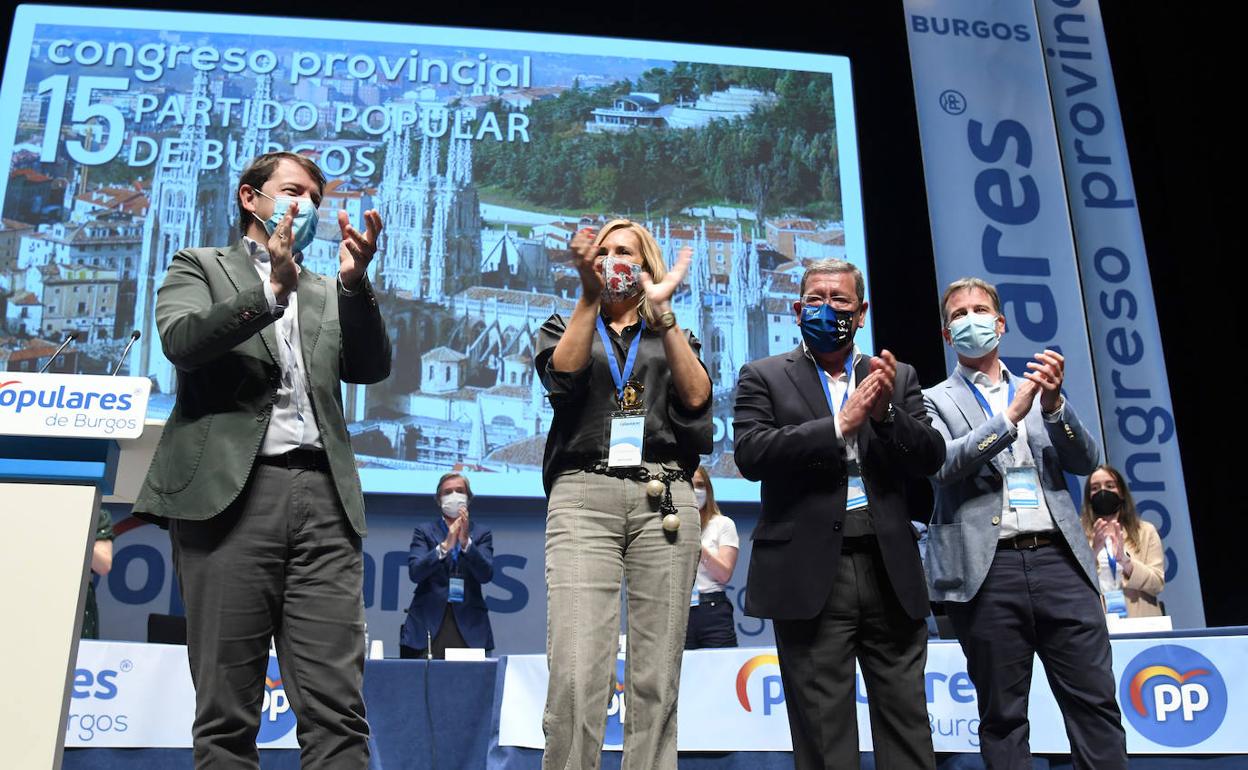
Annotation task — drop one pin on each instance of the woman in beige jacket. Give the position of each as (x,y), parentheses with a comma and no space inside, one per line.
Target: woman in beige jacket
(1127,548)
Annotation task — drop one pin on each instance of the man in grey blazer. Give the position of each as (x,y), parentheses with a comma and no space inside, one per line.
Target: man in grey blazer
(255,473)
(1006,552)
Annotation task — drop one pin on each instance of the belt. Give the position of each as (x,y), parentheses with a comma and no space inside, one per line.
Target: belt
(301,459)
(712,596)
(663,479)
(1029,542)
(859,544)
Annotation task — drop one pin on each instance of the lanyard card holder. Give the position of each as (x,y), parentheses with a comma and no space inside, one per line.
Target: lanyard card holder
(1023,484)
(627,433)
(855,489)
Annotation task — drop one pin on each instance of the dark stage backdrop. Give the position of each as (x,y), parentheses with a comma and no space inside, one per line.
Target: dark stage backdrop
(1176,85)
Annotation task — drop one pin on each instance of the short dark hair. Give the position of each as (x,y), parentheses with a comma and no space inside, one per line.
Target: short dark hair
(259,171)
(437,491)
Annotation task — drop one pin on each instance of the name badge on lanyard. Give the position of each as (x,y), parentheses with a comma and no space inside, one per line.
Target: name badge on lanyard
(455,592)
(855,488)
(1116,600)
(627,425)
(1022,482)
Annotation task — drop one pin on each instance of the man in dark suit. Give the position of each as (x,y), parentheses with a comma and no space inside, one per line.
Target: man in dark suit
(255,469)
(449,560)
(1006,552)
(835,436)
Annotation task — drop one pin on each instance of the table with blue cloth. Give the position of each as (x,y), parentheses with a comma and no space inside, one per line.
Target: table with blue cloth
(434,714)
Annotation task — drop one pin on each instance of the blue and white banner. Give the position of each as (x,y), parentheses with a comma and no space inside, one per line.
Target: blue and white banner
(1140,436)
(1175,695)
(127,695)
(142,580)
(995,190)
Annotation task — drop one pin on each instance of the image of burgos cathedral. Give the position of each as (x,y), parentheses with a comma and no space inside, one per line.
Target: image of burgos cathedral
(464,286)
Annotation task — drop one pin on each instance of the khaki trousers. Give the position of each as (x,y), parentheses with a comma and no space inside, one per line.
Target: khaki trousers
(599,532)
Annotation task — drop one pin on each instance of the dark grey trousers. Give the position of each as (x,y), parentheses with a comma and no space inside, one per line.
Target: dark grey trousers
(283,562)
(861,620)
(1039,603)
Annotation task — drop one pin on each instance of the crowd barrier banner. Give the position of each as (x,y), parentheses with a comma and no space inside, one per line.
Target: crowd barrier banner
(995,192)
(1140,436)
(1174,696)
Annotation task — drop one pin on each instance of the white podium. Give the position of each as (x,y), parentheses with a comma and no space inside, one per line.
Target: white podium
(59,454)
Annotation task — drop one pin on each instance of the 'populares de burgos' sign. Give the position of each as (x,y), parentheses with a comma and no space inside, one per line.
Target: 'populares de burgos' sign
(72,405)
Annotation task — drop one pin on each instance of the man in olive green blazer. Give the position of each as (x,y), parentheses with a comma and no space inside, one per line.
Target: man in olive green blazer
(255,472)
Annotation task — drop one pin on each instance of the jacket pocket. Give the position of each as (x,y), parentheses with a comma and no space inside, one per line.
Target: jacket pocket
(179,453)
(945,556)
(773,531)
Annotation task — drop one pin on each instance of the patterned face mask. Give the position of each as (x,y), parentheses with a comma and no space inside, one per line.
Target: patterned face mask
(621,279)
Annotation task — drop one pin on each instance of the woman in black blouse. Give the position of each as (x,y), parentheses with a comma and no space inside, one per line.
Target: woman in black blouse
(632,414)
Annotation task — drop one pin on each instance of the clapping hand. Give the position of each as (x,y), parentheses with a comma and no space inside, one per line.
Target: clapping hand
(659,294)
(357,249)
(584,258)
(283,272)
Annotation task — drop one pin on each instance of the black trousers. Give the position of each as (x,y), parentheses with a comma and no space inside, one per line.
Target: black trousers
(861,620)
(283,562)
(1040,602)
(448,636)
(710,623)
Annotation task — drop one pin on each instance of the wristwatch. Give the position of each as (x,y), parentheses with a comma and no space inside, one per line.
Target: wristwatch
(667,319)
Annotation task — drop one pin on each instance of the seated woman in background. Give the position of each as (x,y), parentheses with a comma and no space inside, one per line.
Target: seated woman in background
(1129,558)
(710,612)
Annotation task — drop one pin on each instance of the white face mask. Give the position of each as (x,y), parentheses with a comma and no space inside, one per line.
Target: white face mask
(699,494)
(452,502)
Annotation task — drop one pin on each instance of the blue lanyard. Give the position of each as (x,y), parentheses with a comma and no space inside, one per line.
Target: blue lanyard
(983,401)
(618,376)
(827,390)
(1113,563)
(454,554)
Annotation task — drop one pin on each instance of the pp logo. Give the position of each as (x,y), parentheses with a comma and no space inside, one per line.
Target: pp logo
(1173,695)
(772,688)
(276,718)
(616,711)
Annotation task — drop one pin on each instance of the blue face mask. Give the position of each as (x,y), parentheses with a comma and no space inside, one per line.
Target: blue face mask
(825,329)
(974,335)
(303,229)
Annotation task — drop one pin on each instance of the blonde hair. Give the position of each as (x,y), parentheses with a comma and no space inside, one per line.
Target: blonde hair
(711,509)
(651,259)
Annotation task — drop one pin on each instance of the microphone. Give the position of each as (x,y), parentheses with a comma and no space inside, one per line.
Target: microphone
(69,337)
(428,646)
(134,336)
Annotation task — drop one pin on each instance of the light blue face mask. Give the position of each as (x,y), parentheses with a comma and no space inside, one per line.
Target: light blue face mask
(975,335)
(302,229)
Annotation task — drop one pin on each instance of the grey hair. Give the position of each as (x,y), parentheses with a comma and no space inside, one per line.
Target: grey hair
(832,266)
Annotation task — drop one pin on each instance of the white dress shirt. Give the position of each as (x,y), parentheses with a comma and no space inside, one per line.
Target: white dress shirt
(1014,521)
(293,424)
(841,388)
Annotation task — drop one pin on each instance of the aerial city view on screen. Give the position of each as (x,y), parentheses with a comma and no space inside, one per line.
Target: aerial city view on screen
(483,163)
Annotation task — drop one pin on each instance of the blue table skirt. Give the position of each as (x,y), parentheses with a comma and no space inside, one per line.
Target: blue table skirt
(462,710)
(407,702)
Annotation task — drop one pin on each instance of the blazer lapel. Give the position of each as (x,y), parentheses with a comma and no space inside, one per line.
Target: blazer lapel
(805,376)
(237,265)
(969,406)
(312,292)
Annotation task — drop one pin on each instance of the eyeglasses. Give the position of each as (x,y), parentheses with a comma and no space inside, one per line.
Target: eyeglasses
(840,303)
